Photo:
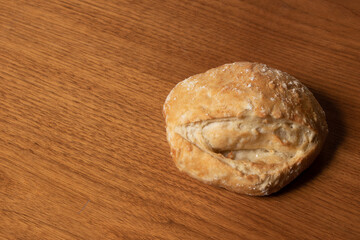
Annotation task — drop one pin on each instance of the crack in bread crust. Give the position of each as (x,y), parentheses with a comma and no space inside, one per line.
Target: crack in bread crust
(249,141)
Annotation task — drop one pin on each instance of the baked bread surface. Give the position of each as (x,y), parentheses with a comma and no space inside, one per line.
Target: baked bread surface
(244,126)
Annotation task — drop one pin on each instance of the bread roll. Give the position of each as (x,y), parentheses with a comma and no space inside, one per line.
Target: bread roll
(244,126)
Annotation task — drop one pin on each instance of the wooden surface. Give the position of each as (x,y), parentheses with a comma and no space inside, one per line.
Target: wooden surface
(83,153)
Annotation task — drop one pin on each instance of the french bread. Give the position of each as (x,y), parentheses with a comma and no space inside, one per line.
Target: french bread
(244,126)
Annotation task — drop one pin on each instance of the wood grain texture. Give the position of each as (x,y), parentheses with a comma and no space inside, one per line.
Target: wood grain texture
(83,152)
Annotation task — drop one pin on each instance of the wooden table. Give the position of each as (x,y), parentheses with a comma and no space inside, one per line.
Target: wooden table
(83,153)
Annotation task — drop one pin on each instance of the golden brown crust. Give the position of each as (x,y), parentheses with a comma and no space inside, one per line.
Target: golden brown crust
(244,91)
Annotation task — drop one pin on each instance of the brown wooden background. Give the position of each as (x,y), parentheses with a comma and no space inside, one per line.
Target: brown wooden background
(83,153)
